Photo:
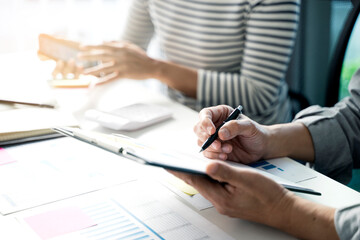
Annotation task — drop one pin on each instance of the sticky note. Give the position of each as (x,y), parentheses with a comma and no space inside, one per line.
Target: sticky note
(58,222)
(5,158)
(182,186)
(82,82)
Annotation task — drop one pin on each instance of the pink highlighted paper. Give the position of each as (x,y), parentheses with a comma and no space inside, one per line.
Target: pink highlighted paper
(58,222)
(5,158)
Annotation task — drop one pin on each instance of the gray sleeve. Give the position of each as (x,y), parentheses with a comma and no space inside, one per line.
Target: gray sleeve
(347,222)
(139,28)
(336,134)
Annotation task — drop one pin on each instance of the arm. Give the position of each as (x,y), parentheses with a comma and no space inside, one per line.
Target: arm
(316,136)
(130,59)
(138,27)
(291,140)
(335,132)
(139,30)
(248,195)
(269,52)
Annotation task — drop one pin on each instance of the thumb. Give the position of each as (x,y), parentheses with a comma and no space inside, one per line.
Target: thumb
(222,172)
(244,127)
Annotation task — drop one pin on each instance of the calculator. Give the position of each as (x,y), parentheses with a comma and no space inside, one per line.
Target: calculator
(131,117)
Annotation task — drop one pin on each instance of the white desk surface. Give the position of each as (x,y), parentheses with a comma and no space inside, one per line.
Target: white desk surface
(177,133)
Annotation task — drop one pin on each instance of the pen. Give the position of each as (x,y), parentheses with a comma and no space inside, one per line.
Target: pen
(26,103)
(234,115)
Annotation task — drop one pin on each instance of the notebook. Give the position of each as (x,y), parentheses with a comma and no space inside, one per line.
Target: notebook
(32,123)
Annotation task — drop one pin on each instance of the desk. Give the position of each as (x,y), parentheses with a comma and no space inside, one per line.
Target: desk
(125,92)
(333,193)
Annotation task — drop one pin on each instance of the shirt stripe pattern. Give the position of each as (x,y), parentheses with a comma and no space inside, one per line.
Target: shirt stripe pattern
(240,48)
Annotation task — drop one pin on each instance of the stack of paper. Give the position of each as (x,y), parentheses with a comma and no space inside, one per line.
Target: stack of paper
(31,123)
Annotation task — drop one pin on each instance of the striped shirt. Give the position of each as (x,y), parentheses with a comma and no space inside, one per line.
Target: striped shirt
(240,48)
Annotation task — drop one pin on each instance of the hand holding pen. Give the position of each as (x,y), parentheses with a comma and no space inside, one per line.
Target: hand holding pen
(242,140)
(233,116)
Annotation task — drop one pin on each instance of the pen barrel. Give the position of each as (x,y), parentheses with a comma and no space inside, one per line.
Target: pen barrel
(211,139)
(233,115)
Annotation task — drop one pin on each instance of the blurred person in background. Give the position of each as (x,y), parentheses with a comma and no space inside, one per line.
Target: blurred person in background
(213,52)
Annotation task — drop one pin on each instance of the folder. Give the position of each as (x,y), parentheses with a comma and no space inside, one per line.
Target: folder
(20,125)
(141,153)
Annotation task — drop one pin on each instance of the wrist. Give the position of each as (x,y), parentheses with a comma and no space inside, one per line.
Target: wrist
(308,220)
(275,144)
(157,68)
(280,215)
(290,140)
(175,76)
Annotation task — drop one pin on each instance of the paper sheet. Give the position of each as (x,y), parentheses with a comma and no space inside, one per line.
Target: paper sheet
(284,168)
(47,171)
(135,210)
(5,158)
(58,222)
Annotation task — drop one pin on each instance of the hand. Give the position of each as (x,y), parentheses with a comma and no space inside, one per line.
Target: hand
(240,140)
(118,60)
(242,193)
(251,196)
(67,70)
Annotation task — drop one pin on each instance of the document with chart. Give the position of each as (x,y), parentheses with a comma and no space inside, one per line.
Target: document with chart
(135,210)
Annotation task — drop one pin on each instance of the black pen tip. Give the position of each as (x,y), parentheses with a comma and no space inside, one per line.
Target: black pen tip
(201,150)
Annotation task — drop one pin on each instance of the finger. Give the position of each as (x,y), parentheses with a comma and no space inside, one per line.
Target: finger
(226,147)
(108,78)
(58,69)
(215,146)
(215,155)
(68,69)
(202,136)
(97,56)
(223,172)
(243,127)
(97,47)
(79,70)
(221,153)
(103,68)
(71,68)
(203,184)
(107,46)
(206,123)
(243,178)
(219,113)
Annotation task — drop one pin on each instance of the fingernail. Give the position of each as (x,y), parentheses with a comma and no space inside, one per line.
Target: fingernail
(226,149)
(224,133)
(222,156)
(216,145)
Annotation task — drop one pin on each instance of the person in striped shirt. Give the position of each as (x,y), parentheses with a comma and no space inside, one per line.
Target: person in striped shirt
(213,52)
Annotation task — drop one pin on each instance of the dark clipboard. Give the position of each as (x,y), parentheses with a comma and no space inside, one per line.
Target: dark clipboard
(143,158)
(139,157)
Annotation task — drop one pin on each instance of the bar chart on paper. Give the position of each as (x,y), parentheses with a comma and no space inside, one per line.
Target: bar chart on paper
(116,222)
(283,169)
(150,220)
(146,216)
